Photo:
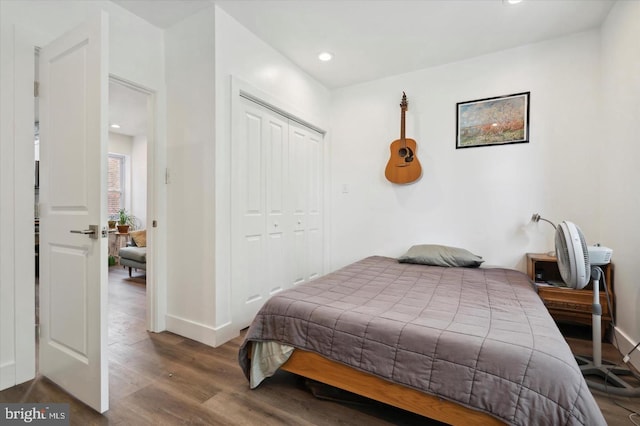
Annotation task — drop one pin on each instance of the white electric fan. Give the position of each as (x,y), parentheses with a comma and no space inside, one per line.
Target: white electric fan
(576,270)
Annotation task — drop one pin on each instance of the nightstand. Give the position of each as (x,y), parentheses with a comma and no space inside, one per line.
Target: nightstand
(565,304)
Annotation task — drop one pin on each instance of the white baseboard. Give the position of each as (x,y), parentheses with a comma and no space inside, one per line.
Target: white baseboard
(226,332)
(625,344)
(7,375)
(212,336)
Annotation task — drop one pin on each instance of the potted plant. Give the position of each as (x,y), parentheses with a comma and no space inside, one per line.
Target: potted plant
(124,221)
(113,219)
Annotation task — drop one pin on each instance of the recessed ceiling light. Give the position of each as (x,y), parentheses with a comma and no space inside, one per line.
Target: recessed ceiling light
(512,1)
(115,126)
(325,56)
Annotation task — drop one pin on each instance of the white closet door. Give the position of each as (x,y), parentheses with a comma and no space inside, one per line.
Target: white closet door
(305,147)
(259,242)
(278,225)
(314,250)
(276,207)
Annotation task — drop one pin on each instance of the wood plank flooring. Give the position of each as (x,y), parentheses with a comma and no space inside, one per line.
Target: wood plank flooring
(165,379)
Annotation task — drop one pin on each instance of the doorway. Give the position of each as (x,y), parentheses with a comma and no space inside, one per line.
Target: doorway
(128,154)
(73,244)
(130,137)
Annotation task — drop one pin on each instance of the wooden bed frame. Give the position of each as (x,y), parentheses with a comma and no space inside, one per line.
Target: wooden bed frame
(321,369)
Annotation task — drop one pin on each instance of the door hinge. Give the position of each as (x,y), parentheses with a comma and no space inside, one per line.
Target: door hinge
(38,331)
(36,89)
(167,176)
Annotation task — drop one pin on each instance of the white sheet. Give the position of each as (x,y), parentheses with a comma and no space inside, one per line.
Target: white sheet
(266,358)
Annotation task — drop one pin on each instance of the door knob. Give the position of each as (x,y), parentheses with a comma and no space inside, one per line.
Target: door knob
(92,232)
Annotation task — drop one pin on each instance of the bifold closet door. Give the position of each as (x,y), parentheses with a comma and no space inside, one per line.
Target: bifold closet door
(276,207)
(305,147)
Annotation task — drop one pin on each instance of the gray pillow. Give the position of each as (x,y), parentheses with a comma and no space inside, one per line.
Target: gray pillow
(436,255)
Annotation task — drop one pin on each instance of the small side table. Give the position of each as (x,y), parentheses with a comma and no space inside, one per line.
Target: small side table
(118,242)
(565,304)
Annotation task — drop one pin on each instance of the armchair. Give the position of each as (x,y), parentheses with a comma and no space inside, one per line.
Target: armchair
(134,255)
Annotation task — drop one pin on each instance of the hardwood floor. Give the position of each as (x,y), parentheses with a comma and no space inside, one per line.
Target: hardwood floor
(165,379)
(616,409)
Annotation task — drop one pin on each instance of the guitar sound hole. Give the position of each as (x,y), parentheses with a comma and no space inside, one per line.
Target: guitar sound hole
(406,153)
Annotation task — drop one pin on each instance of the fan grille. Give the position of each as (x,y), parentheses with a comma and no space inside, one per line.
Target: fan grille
(573,256)
(562,252)
(585,256)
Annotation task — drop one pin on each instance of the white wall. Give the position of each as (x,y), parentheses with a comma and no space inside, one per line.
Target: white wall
(190,129)
(139,179)
(136,55)
(17,345)
(617,167)
(122,145)
(477,198)
(134,149)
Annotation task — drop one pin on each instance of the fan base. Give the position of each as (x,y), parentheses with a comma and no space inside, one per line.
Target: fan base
(608,373)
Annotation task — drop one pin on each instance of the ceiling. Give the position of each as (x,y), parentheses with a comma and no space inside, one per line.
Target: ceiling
(164,13)
(379,38)
(128,109)
(371,39)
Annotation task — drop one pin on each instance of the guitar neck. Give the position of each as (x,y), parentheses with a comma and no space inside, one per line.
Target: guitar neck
(403,108)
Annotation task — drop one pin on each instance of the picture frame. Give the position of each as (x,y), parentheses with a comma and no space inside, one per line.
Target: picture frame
(499,120)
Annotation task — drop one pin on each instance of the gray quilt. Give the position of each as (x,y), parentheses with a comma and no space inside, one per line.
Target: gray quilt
(478,337)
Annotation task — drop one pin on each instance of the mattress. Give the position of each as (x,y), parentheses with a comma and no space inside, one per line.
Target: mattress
(479,337)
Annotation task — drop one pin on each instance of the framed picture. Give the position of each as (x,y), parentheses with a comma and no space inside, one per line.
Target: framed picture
(493,121)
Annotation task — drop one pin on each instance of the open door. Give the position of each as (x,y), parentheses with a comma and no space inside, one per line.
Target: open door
(73,247)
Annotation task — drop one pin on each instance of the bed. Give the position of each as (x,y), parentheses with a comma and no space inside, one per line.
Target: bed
(455,344)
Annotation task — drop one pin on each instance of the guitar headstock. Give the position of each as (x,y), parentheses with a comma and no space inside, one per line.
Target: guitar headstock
(404,104)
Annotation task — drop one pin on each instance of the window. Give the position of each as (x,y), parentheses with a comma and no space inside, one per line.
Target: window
(115,184)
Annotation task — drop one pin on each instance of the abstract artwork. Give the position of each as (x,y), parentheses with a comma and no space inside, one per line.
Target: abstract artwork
(493,121)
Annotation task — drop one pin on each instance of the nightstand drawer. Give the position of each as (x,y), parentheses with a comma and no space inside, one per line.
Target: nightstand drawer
(571,300)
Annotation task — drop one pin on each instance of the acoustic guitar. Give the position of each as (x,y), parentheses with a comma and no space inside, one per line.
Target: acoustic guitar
(403,165)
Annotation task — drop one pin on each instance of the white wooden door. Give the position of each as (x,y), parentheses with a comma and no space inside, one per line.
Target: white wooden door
(305,187)
(277,196)
(315,211)
(278,224)
(73,272)
(259,247)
